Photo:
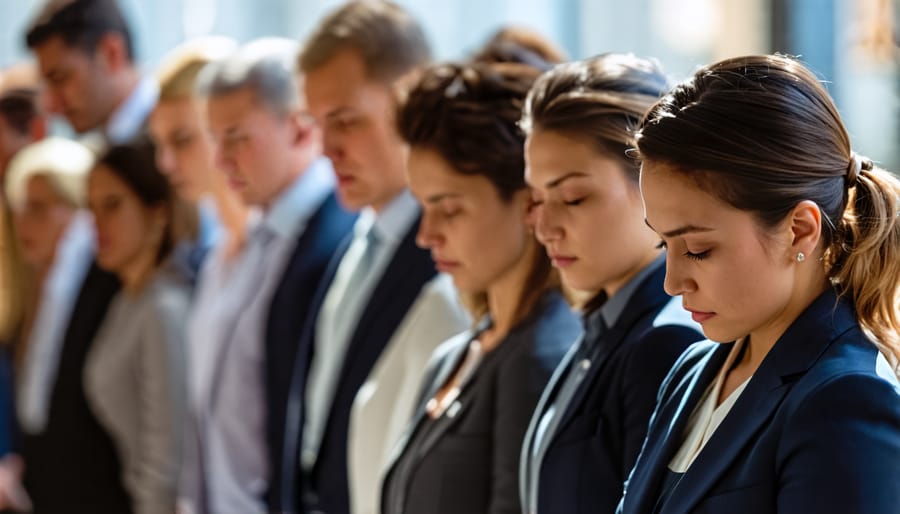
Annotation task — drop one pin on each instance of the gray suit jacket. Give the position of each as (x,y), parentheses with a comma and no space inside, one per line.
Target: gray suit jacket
(134,381)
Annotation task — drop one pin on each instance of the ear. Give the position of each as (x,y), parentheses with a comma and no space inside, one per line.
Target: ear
(112,53)
(805,227)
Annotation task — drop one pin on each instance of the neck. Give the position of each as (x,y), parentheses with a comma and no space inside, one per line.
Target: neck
(614,286)
(135,274)
(762,339)
(125,85)
(504,297)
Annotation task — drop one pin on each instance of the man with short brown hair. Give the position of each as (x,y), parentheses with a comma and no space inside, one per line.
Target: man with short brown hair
(382,311)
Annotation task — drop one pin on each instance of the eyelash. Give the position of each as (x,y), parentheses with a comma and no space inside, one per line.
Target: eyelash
(572,203)
(693,256)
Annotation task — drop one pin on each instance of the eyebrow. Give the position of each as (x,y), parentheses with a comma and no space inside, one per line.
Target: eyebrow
(337,112)
(441,196)
(687,229)
(557,181)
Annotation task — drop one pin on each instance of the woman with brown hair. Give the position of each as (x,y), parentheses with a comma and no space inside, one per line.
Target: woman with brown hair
(785,245)
(461,450)
(588,429)
(133,373)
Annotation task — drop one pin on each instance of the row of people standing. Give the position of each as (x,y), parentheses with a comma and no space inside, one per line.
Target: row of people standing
(303,412)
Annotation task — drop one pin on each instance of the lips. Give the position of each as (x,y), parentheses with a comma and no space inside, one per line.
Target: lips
(343,179)
(444,265)
(562,261)
(700,316)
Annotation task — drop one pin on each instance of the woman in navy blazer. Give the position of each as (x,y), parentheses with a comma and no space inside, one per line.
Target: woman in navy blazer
(785,245)
(460,453)
(590,423)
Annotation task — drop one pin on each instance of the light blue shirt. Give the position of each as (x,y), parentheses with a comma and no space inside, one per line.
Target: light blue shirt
(229,350)
(128,120)
(344,304)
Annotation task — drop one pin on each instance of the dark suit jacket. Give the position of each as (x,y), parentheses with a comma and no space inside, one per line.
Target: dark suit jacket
(469,464)
(817,428)
(603,428)
(73,466)
(326,488)
(320,242)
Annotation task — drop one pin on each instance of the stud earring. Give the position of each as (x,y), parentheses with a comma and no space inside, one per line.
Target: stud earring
(801,257)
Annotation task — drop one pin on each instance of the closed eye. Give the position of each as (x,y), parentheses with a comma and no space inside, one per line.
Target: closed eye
(697,256)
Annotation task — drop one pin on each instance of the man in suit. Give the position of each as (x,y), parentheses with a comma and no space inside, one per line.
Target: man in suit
(381,314)
(270,150)
(85,52)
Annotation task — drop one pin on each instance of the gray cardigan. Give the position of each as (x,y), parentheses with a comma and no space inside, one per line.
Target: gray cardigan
(134,382)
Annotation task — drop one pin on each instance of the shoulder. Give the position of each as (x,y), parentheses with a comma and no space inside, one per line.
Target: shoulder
(689,363)
(439,296)
(662,336)
(551,329)
(167,300)
(851,378)
(446,352)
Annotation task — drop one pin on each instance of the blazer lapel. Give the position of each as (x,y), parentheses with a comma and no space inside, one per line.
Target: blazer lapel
(667,427)
(648,297)
(793,354)
(410,268)
(437,379)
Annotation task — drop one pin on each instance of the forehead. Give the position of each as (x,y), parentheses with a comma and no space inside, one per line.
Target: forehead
(55,52)
(173,111)
(551,155)
(240,105)
(431,174)
(103,179)
(340,82)
(673,199)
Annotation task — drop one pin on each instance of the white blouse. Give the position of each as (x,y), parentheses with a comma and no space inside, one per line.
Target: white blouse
(708,416)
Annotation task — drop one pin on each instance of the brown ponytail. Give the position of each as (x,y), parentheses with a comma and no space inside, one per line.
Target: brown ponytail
(865,257)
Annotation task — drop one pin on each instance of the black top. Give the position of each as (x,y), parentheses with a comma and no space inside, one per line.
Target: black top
(466,462)
(72,466)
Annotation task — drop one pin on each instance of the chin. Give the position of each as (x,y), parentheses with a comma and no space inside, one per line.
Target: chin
(351,202)
(719,335)
(107,262)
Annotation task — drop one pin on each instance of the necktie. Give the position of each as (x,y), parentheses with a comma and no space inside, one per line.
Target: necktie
(342,306)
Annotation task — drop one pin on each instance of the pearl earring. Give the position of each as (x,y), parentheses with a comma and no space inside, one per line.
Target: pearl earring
(800,257)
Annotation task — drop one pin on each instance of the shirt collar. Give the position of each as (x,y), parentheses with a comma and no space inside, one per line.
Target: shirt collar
(612,309)
(392,223)
(126,122)
(296,205)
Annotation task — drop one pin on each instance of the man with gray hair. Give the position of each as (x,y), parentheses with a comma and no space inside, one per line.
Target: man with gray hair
(270,150)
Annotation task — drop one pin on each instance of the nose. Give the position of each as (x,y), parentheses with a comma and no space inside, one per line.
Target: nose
(546,225)
(165,159)
(678,281)
(52,101)
(222,158)
(332,146)
(428,236)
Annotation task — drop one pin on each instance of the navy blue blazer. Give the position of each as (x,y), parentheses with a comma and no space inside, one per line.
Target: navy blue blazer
(326,489)
(817,428)
(601,433)
(318,244)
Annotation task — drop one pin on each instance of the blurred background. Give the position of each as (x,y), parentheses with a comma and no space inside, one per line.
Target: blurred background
(851,44)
